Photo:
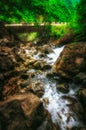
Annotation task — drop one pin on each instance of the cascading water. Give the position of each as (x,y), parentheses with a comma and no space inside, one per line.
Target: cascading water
(62,107)
(58,106)
(53,56)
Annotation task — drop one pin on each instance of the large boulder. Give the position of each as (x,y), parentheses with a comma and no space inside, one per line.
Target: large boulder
(23,112)
(72,60)
(82,97)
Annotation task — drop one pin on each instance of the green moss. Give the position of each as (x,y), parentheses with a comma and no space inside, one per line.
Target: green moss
(64,58)
(28,36)
(59,30)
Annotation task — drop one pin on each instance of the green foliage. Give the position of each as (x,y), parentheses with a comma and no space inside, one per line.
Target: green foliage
(36,10)
(28,36)
(78,23)
(59,30)
(81,16)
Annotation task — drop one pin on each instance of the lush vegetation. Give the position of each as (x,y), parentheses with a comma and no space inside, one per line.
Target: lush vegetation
(37,10)
(80,22)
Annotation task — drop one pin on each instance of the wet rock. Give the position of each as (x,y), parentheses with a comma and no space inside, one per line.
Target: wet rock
(49,74)
(41,55)
(46,101)
(80,78)
(63,87)
(46,67)
(41,65)
(82,95)
(38,65)
(76,111)
(37,88)
(69,98)
(52,75)
(29,62)
(22,112)
(82,98)
(46,49)
(71,61)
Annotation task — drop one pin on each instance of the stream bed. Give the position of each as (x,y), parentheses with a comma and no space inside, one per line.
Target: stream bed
(64,108)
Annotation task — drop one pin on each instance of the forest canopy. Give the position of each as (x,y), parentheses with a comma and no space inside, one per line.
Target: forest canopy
(15,11)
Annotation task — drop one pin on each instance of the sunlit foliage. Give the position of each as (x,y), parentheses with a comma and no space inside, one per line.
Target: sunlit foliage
(36,10)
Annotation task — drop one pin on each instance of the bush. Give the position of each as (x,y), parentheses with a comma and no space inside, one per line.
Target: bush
(59,30)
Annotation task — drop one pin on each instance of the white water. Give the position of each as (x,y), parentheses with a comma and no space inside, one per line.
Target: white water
(53,56)
(58,107)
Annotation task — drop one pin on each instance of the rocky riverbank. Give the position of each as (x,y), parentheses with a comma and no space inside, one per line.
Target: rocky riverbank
(30,83)
(71,65)
(17,103)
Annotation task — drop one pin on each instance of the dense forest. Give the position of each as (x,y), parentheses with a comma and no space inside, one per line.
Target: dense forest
(36,10)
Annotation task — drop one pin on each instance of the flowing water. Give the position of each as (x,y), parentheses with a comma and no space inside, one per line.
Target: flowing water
(53,56)
(59,105)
